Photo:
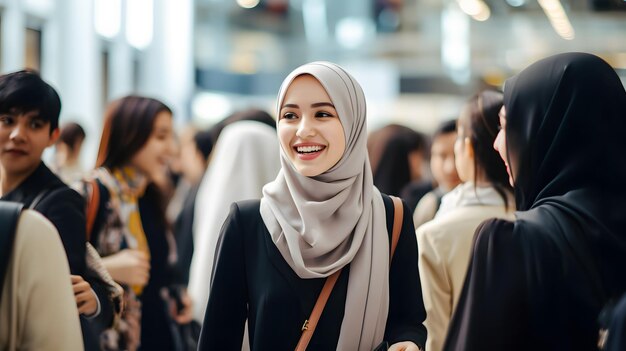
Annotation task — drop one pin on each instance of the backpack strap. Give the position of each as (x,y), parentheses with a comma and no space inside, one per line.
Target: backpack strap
(45,191)
(9,215)
(92,206)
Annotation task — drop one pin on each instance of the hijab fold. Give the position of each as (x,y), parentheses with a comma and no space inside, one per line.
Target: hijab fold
(321,224)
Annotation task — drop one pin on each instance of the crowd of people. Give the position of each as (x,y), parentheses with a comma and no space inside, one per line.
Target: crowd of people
(503,230)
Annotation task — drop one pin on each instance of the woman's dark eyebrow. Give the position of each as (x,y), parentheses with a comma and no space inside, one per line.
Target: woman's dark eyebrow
(320,104)
(317,104)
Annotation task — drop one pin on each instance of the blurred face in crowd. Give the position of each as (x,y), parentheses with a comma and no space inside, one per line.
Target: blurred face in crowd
(500,143)
(416,164)
(442,161)
(23,138)
(309,129)
(153,158)
(192,161)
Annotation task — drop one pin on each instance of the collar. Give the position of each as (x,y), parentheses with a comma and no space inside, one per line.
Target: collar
(41,178)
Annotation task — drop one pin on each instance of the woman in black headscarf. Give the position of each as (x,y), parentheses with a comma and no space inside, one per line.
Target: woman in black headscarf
(540,282)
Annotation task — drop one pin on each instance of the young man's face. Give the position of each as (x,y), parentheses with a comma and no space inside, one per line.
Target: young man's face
(23,138)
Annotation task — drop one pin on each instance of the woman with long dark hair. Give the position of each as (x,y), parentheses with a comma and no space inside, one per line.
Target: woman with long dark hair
(539,282)
(129,231)
(445,243)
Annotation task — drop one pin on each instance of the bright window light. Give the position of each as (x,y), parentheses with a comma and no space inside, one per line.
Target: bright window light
(209,108)
(351,32)
(108,19)
(139,22)
(248,4)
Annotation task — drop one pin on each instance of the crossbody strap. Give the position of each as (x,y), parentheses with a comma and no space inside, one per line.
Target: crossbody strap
(398,216)
(9,215)
(308,328)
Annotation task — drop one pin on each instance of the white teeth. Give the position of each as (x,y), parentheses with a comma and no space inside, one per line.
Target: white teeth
(309,148)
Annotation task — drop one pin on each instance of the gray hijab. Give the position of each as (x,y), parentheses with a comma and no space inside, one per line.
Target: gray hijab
(323,223)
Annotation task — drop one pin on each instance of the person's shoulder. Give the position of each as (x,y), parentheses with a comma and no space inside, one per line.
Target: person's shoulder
(60,195)
(36,233)
(246,213)
(248,207)
(495,226)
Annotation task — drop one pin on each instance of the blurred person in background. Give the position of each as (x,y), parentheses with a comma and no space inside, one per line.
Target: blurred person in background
(181,184)
(397,155)
(194,158)
(130,230)
(29,116)
(243,161)
(37,306)
(67,149)
(540,282)
(443,169)
(445,243)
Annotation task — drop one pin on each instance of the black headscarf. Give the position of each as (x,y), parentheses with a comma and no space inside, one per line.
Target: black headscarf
(566,141)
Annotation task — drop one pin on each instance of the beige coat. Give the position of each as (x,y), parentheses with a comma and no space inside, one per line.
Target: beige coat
(38,310)
(445,246)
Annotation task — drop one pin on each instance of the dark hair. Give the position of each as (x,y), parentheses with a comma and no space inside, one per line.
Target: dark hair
(479,120)
(71,133)
(25,91)
(128,124)
(389,148)
(244,115)
(446,127)
(204,142)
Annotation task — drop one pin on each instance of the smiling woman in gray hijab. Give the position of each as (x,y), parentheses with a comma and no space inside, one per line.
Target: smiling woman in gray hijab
(320,215)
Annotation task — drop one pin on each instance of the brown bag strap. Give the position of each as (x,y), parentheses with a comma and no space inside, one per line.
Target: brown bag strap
(398,214)
(308,328)
(92,206)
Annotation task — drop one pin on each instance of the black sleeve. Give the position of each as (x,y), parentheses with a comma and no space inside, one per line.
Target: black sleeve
(491,311)
(616,340)
(406,306)
(65,208)
(105,319)
(227,306)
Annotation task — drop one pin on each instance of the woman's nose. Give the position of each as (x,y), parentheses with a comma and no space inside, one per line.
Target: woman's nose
(305,128)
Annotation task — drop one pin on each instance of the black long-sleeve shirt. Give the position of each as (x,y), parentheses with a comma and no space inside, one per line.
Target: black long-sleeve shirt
(252,280)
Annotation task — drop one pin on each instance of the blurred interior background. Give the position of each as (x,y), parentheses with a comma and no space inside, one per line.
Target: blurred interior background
(418,60)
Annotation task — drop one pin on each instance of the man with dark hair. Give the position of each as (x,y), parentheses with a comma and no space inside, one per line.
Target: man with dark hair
(29,118)
(443,169)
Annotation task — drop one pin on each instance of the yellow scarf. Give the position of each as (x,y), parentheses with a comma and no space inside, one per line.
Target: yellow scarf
(131,188)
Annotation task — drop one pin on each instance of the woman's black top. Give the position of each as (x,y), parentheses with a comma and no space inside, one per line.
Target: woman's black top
(252,281)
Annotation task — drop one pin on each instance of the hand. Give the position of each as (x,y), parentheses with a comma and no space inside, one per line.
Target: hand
(86,299)
(183,316)
(130,267)
(404,346)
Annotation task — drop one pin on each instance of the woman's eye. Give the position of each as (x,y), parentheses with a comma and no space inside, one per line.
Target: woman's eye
(289,115)
(323,114)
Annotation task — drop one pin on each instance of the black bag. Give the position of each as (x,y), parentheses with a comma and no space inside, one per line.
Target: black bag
(9,214)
